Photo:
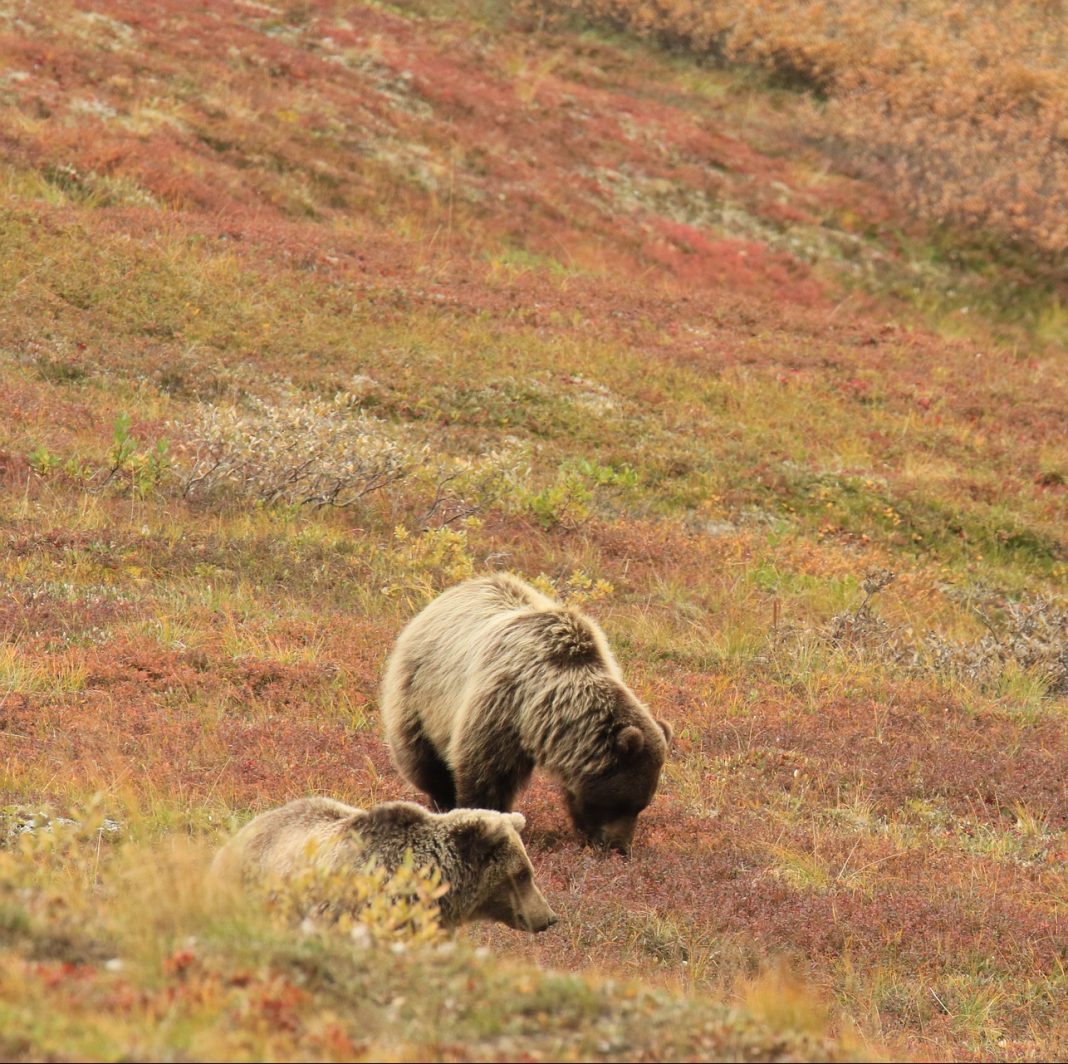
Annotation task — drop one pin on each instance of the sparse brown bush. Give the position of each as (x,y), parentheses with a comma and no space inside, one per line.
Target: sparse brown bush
(862,627)
(316,452)
(1032,637)
(302,453)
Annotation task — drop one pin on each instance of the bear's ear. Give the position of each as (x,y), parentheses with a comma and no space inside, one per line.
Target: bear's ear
(669,735)
(395,816)
(630,740)
(517,820)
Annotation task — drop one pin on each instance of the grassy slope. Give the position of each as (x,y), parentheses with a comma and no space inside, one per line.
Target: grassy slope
(616,293)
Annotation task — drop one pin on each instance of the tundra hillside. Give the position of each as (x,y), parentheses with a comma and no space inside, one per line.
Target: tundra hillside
(311,310)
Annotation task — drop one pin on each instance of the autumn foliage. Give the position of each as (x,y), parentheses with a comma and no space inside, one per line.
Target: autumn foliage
(311,310)
(962,106)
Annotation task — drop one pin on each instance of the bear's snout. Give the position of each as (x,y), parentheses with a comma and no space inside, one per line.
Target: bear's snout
(533,912)
(543,922)
(519,904)
(537,915)
(616,835)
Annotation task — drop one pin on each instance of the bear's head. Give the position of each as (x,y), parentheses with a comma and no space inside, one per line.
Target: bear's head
(604,804)
(494,880)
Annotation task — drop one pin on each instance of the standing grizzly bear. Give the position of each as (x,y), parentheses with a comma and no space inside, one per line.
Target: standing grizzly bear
(493,679)
(478,852)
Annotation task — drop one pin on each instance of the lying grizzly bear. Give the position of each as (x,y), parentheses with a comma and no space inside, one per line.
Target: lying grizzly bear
(478,852)
(493,679)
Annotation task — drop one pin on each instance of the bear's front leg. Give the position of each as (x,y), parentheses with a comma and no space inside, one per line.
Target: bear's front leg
(497,793)
(488,760)
(492,787)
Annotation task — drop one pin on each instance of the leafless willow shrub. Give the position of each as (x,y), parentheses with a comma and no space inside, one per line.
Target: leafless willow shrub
(299,452)
(316,452)
(1033,636)
(865,633)
(1030,636)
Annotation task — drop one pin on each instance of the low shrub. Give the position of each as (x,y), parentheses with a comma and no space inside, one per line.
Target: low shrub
(298,452)
(1029,637)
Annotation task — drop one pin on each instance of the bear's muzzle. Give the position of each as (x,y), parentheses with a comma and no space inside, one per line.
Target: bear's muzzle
(616,835)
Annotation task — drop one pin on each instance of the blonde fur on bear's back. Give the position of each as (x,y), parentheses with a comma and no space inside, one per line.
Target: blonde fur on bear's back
(439,658)
(277,843)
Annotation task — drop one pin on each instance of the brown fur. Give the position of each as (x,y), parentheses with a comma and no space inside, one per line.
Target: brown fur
(478,851)
(493,679)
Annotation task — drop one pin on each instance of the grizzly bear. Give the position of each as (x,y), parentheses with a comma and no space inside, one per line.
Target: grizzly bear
(478,852)
(493,679)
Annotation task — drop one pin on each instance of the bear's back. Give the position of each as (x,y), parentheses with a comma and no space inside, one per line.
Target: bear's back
(278,842)
(485,599)
(442,651)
